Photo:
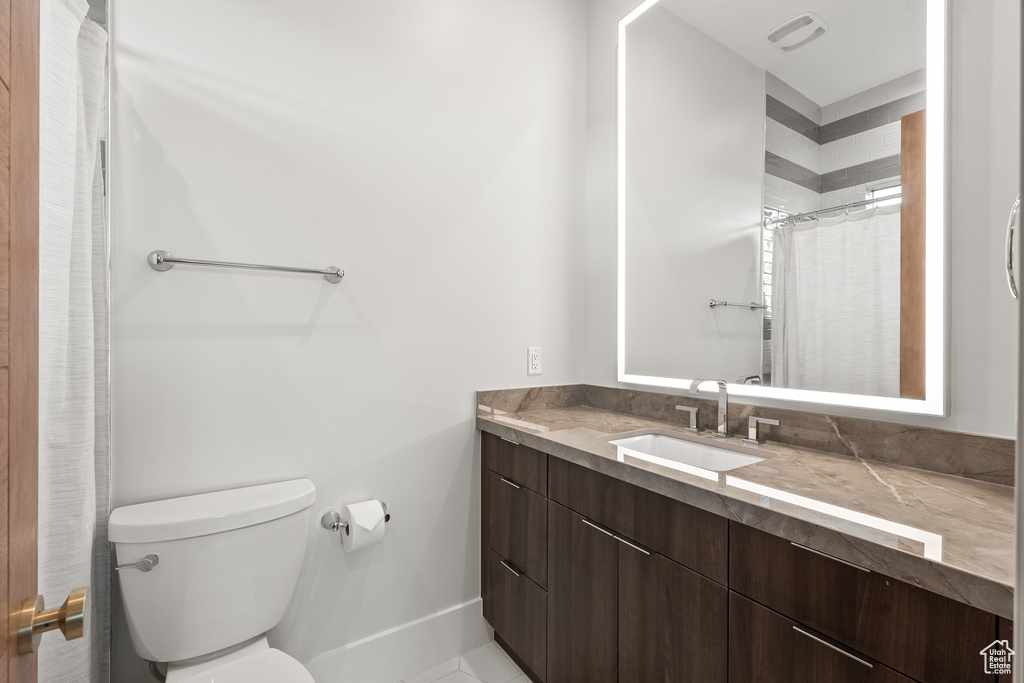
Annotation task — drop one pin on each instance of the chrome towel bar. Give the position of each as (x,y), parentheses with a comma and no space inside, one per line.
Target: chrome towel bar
(752,305)
(161,260)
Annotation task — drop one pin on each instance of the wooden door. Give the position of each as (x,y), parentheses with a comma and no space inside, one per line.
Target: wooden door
(583,568)
(673,622)
(912,255)
(19,315)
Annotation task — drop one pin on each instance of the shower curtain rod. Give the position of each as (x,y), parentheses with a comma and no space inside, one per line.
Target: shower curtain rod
(809,214)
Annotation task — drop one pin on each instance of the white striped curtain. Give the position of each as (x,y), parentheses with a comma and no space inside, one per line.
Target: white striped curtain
(836,304)
(73,336)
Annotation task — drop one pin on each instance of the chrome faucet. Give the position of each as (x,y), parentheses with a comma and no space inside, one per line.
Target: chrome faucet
(723,404)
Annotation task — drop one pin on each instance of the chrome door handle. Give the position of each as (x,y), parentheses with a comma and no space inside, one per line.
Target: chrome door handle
(144,565)
(837,649)
(632,545)
(601,529)
(1011,227)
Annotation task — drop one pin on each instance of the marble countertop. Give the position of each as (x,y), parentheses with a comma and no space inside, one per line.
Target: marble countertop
(948,534)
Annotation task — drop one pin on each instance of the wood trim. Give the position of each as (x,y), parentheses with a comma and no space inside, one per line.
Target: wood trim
(24,315)
(912,256)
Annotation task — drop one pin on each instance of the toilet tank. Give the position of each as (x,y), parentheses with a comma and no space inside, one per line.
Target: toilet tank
(228,565)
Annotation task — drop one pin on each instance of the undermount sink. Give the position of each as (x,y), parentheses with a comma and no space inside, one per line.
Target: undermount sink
(664,449)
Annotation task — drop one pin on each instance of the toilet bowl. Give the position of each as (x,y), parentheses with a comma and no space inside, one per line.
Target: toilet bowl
(254,663)
(205,577)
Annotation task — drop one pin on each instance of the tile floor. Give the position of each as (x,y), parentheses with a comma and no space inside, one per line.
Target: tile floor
(487,663)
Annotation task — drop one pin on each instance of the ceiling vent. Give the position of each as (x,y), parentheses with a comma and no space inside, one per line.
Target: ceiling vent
(796,32)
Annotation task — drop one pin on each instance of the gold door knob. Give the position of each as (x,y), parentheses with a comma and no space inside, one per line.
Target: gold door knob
(33,622)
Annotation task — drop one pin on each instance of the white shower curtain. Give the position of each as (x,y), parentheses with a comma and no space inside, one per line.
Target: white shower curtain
(73,335)
(836,304)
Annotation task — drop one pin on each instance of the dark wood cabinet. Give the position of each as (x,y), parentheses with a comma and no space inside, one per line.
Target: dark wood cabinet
(514,529)
(673,622)
(589,579)
(518,612)
(916,632)
(766,647)
(583,584)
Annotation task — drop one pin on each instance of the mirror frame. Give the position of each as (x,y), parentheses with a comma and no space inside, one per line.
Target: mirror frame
(936,399)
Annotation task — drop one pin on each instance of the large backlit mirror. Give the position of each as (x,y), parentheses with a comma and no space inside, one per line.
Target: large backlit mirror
(781,199)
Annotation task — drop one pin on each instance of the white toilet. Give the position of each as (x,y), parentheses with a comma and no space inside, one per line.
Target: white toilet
(208,575)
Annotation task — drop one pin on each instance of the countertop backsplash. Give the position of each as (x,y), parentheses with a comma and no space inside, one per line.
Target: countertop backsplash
(984,458)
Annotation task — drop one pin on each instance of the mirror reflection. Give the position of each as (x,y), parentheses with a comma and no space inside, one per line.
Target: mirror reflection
(773,194)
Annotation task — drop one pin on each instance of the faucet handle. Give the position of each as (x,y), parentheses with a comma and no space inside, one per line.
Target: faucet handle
(753,433)
(693,419)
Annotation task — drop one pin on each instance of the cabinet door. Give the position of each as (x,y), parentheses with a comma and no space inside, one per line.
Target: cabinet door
(518,612)
(516,525)
(673,622)
(583,568)
(766,647)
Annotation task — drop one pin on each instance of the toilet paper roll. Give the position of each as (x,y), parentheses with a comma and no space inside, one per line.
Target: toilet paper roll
(365,524)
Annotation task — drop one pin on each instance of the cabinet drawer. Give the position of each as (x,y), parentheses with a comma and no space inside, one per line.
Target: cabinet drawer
(919,633)
(690,536)
(517,610)
(765,647)
(521,464)
(517,525)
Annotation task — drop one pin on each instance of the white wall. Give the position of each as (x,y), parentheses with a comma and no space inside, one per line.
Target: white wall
(434,149)
(694,172)
(984,120)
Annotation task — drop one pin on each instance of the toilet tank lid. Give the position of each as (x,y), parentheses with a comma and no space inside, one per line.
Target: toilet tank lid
(209,513)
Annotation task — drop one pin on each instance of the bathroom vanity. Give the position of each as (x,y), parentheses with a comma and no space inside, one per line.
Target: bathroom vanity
(599,565)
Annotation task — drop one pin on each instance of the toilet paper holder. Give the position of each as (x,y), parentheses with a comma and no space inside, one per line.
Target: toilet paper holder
(331,520)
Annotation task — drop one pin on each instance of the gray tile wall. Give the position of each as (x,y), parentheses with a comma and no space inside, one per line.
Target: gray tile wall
(889,112)
(836,180)
(861,173)
(876,169)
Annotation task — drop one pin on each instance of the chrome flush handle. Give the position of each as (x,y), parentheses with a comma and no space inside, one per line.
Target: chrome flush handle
(146,564)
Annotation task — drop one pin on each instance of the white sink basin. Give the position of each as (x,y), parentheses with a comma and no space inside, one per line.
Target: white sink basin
(655,447)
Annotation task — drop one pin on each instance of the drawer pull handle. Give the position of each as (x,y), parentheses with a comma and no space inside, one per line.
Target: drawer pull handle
(514,443)
(632,545)
(836,559)
(603,531)
(509,567)
(511,483)
(837,649)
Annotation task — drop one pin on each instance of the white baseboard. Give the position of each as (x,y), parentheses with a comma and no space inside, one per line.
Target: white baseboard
(406,650)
